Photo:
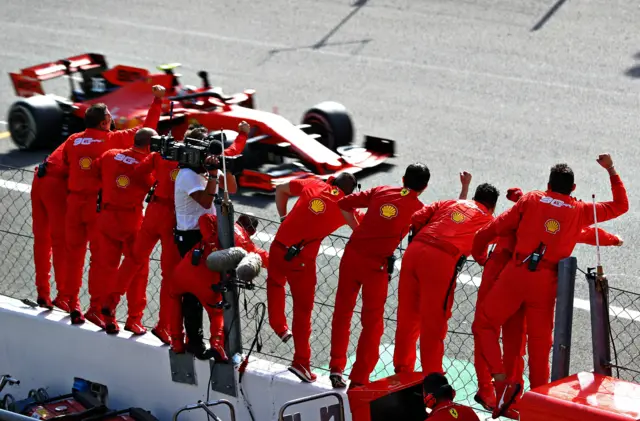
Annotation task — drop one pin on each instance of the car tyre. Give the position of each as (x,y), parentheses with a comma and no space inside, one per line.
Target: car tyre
(332,122)
(34,122)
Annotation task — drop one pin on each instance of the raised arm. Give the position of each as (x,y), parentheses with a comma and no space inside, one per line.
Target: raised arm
(465,181)
(124,138)
(612,209)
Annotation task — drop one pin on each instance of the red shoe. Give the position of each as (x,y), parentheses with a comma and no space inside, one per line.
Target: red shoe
(162,334)
(45,302)
(94,318)
(62,304)
(486,397)
(135,327)
(178,346)
(303,372)
(285,336)
(505,395)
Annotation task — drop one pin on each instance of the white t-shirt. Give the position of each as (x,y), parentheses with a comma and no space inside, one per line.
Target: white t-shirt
(188,211)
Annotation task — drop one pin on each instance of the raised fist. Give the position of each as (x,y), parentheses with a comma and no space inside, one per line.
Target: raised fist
(465,178)
(514,194)
(605,161)
(244,127)
(158,91)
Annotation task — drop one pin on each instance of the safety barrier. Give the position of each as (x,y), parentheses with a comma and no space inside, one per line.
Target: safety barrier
(16,243)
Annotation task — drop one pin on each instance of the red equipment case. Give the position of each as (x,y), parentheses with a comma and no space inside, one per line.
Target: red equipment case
(582,397)
(398,397)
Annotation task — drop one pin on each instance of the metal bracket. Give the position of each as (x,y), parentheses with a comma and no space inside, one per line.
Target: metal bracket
(223,378)
(182,368)
(292,417)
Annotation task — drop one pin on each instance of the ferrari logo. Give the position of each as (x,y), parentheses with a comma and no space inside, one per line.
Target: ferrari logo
(388,211)
(552,226)
(317,206)
(122,181)
(335,191)
(453,413)
(85,163)
(174,174)
(404,192)
(457,217)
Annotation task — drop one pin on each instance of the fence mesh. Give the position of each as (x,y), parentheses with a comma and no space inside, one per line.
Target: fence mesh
(624,315)
(17,274)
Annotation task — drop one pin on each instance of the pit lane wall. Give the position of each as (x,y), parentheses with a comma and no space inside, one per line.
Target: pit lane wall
(42,349)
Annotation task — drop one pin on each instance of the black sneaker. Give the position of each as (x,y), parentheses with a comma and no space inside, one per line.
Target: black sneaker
(199,351)
(337,382)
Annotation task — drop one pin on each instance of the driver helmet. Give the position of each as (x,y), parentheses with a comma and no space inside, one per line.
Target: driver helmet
(185,90)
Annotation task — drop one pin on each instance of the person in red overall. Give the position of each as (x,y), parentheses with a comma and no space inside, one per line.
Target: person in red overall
(118,225)
(197,279)
(293,253)
(366,263)
(80,150)
(48,209)
(442,234)
(438,396)
(513,331)
(530,278)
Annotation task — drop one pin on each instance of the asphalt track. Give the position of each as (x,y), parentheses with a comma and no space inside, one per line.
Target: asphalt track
(499,88)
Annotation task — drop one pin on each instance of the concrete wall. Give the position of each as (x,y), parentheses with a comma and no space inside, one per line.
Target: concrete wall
(42,349)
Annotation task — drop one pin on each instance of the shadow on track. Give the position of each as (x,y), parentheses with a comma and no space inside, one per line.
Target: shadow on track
(548,15)
(322,42)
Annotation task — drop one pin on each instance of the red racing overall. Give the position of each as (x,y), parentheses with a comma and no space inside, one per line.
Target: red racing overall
(48,210)
(157,225)
(80,150)
(514,329)
(314,216)
(118,225)
(536,219)
(364,265)
(445,231)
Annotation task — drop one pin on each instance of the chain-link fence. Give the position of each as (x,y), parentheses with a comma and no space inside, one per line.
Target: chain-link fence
(624,318)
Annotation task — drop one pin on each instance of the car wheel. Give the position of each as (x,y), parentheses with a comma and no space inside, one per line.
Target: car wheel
(8,403)
(34,122)
(331,121)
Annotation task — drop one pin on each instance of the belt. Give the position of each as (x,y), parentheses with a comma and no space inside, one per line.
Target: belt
(162,201)
(84,193)
(439,244)
(109,206)
(543,264)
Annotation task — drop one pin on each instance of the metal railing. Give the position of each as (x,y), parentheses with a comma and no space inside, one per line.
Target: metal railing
(306,399)
(205,407)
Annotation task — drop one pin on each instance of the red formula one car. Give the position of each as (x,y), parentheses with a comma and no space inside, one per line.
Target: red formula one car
(277,152)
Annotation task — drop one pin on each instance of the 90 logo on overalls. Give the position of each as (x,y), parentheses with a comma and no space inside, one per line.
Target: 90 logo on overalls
(125,159)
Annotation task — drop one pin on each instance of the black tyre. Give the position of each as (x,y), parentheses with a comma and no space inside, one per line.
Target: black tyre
(35,122)
(332,122)
(8,403)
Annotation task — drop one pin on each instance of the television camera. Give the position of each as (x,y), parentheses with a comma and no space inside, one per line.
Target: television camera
(192,153)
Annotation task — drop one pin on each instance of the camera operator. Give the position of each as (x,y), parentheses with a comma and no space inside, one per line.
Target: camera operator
(195,189)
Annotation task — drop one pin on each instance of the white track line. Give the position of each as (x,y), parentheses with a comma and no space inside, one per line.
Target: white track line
(464,279)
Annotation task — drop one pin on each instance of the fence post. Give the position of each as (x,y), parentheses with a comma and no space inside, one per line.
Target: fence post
(599,306)
(561,359)
(225,216)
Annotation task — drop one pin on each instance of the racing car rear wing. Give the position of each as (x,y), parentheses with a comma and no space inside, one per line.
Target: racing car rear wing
(28,82)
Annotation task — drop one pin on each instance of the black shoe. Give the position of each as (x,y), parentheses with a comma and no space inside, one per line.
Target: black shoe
(337,382)
(199,351)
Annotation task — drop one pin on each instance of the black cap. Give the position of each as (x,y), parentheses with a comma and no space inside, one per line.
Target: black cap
(434,383)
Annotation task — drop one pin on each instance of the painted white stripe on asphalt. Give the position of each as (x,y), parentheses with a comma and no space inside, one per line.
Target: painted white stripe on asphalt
(12,185)
(465,279)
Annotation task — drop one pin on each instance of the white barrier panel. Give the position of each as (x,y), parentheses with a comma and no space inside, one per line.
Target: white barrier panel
(42,349)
